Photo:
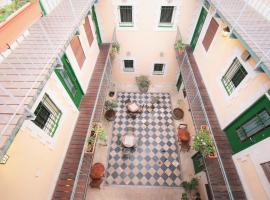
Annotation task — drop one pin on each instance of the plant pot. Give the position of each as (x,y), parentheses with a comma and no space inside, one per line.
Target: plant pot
(143,89)
(111,93)
(91,147)
(178,113)
(212,155)
(181,51)
(110,115)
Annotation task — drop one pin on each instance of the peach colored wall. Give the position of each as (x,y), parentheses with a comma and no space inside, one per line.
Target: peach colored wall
(11,29)
(214,64)
(145,42)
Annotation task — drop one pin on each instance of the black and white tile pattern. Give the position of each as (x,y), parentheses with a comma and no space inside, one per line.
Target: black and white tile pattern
(154,162)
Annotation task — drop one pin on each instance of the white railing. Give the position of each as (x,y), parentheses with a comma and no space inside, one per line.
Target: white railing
(197,108)
(101,95)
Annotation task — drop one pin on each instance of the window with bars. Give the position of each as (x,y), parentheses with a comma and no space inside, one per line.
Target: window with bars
(126,15)
(254,125)
(47,115)
(158,69)
(128,65)
(166,15)
(234,76)
(266,168)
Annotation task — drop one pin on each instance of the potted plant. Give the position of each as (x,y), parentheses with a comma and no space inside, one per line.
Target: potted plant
(143,83)
(115,49)
(109,106)
(190,186)
(91,141)
(180,46)
(184,196)
(203,143)
(102,136)
(178,113)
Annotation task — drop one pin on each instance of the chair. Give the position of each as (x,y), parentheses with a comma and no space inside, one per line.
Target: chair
(126,152)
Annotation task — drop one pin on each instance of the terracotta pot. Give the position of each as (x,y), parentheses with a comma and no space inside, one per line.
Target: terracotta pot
(110,115)
(181,51)
(143,89)
(178,113)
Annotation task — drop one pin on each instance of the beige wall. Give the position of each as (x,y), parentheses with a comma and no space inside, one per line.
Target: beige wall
(145,43)
(214,64)
(35,158)
(250,171)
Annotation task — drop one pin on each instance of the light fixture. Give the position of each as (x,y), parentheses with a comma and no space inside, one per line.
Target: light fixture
(4,159)
(226,31)
(59,64)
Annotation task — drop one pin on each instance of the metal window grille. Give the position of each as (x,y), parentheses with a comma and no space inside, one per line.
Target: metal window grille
(128,65)
(47,115)
(126,14)
(257,123)
(166,14)
(158,68)
(234,76)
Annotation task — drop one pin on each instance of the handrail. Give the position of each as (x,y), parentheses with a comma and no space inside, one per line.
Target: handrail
(89,128)
(198,94)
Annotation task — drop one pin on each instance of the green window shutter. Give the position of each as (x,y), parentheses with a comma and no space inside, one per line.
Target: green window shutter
(69,81)
(198,28)
(42,8)
(97,30)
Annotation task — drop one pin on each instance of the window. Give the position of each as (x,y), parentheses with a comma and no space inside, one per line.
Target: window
(128,65)
(210,34)
(234,76)
(78,50)
(126,18)
(68,81)
(158,69)
(266,169)
(47,115)
(88,30)
(166,15)
(254,125)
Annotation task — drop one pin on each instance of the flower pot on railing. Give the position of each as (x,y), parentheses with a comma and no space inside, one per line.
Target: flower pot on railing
(180,46)
(91,142)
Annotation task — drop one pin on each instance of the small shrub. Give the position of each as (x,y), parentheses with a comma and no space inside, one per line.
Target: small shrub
(110,104)
(203,143)
(143,81)
(179,45)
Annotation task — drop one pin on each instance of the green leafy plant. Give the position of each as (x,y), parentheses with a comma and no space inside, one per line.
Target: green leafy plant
(91,142)
(184,196)
(115,49)
(110,104)
(203,142)
(179,45)
(7,10)
(191,185)
(101,134)
(143,81)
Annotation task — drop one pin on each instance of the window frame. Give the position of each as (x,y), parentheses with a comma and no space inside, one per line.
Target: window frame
(159,72)
(167,25)
(128,69)
(248,120)
(228,84)
(125,24)
(48,131)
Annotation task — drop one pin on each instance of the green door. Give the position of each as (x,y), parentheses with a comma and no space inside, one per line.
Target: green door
(94,18)
(179,82)
(198,28)
(69,81)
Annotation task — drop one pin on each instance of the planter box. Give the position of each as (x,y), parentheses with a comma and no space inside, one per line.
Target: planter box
(89,149)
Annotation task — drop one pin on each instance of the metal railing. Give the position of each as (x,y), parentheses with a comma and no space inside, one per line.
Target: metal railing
(198,111)
(95,116)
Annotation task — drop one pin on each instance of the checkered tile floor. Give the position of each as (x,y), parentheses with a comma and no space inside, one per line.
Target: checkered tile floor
(154,161)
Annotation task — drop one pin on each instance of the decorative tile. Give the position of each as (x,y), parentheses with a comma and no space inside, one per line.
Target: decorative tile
(155,161)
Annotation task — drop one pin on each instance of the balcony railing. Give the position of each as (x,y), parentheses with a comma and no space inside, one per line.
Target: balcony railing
(28,67)
(221,172)
(249,21)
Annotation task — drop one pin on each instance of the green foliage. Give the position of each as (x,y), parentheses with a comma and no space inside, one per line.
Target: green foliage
(184,196)
(179,45)
(115,49)
(91,141)
(143,81)
(101,134)
(190,185)
(203,143)
(7,10)
(110,104)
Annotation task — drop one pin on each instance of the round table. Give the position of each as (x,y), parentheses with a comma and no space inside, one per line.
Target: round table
(129,141)
(133,107)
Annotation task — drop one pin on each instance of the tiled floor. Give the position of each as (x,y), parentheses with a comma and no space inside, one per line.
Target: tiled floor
(155,161)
